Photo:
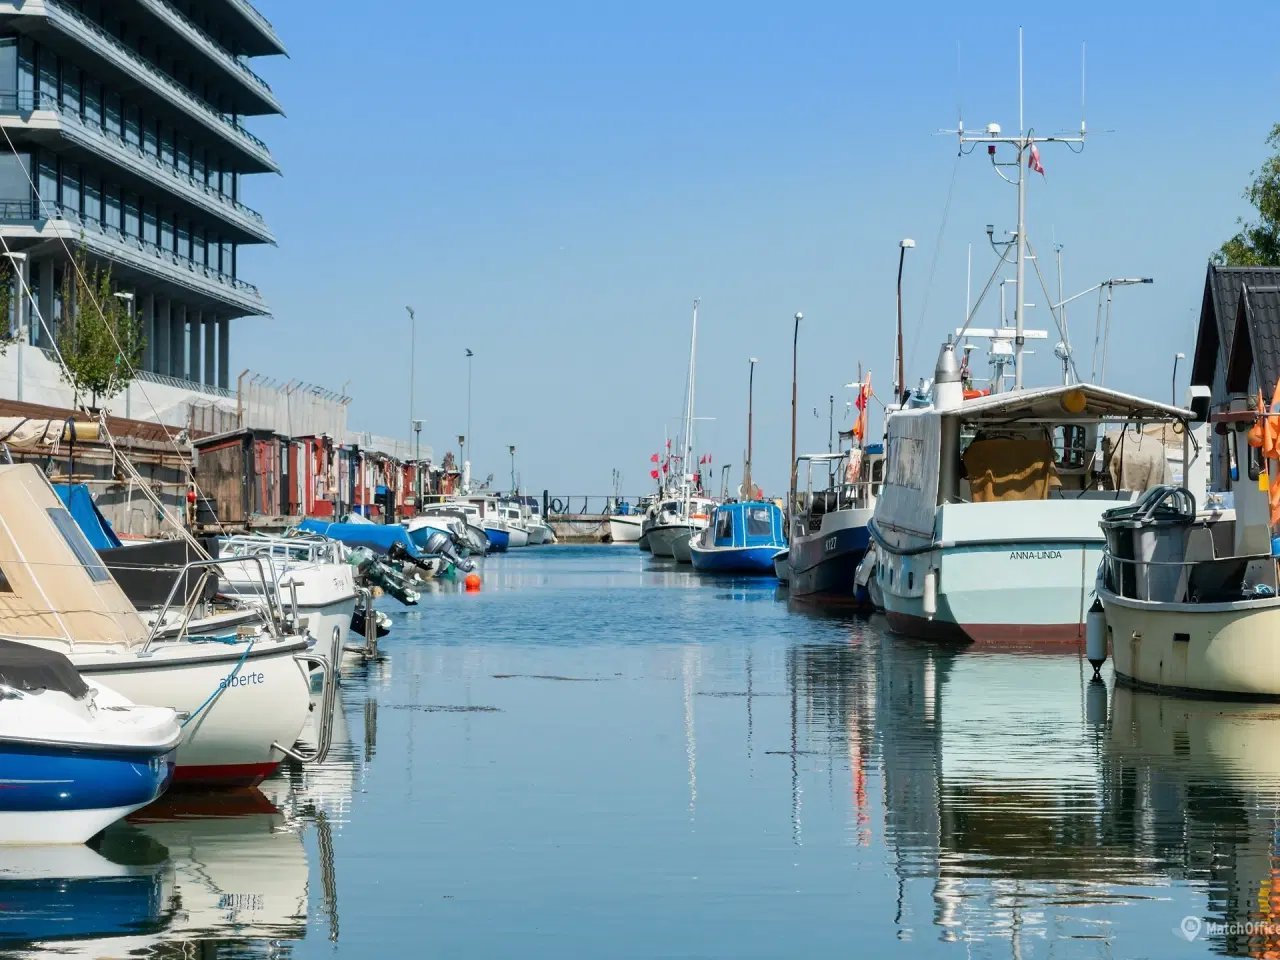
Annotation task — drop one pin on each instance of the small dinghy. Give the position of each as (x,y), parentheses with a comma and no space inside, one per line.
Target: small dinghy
(74,756)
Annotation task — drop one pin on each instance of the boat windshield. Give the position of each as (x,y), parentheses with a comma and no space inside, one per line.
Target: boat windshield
(759,522)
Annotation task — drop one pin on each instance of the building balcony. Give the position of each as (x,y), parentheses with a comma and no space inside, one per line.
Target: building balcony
(254,93)
(37,118)
(59,25)
(51,229)
(260,29)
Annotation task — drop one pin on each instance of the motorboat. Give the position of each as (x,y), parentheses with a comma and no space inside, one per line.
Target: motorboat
(987,525)
(677,521)
(75,756)
(311,573)
(501,535)
(243,695)
(1189,596)
(468,515)
(626,524)
(646,525)
(782,565)
(534,523)
(519,530)
(742,538)
(829,529)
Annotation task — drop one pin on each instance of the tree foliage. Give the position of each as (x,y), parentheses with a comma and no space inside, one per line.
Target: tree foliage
(1257,244)
(99,337)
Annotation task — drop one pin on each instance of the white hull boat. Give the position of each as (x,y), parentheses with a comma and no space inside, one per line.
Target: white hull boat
(242,695)
(626,528)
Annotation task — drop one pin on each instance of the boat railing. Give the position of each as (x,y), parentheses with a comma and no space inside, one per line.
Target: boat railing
(270,592)
(1204,580)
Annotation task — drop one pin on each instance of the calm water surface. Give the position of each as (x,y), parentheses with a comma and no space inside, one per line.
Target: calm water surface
(600,755)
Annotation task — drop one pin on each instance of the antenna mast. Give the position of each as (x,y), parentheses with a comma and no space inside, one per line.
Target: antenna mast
(1026,153)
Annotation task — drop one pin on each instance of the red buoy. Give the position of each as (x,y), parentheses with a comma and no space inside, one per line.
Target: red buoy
(472,582)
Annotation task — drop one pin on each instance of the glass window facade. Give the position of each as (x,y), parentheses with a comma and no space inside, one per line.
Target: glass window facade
(47,183)
(9,73)
(14,188)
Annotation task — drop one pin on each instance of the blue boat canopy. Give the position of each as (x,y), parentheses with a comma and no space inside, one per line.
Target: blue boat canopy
(95,527)
(751,524)
(377,537)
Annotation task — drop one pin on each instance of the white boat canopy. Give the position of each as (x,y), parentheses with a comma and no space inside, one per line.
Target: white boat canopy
(53,585)
(1055,404)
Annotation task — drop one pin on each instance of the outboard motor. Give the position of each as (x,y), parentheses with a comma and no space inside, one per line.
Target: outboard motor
(441,544)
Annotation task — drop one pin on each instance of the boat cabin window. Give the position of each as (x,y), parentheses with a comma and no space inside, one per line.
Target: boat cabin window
(724,525)
(87,556)
(759,523)
(671,506)
(1070,447)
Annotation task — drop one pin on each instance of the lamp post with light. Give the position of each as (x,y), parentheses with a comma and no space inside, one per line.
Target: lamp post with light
(900,383)
(795,340)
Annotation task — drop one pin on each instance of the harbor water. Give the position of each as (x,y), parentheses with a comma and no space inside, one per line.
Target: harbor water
(604,755)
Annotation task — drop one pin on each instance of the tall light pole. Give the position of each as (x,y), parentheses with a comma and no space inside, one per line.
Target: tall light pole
(795,340)
(900,383)
(469,356)
(748,489)
(1176,357)
(512,450)
(413,328)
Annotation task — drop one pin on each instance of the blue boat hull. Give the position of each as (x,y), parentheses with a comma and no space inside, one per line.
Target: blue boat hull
(827,564)
(64,794)
(499,540)
(746,560)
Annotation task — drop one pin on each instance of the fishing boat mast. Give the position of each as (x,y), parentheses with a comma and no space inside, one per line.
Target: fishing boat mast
(688,413)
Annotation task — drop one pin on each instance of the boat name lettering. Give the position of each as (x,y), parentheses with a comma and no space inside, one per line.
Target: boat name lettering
(242,680)
(1036,555)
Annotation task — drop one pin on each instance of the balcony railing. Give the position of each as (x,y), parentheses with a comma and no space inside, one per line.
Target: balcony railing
(181,384)
(20,102)
(139,252)
(163,9)
(154,73)
(254,14)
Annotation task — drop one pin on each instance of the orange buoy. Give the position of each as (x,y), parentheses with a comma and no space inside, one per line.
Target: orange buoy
(472,582)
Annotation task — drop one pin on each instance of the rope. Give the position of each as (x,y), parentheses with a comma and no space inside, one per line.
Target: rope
(222,685)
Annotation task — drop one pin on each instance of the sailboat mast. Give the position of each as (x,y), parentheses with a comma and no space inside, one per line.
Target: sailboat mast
(688,423)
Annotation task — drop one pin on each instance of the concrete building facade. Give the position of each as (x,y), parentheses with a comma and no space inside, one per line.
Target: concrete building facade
(121,127)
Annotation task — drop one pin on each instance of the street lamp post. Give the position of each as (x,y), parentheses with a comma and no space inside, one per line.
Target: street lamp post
(900,383)
(413,337)
(469,356)
(462,443)
(795,340)
(748,489)
(1174,391)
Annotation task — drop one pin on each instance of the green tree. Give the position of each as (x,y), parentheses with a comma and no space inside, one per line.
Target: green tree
(99,338)
(1258,242)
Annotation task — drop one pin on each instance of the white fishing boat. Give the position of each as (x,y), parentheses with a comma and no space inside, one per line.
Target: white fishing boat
(521,535)
(501,535)
(676,522)
(626,527)
(244,695)
(1190,598)
(986,529)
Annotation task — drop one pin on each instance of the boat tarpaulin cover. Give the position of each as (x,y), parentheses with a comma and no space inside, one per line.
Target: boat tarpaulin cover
(95,527)
(377,537)
(909,497)
(53,584)
(24,667)
(1003,468)
(25,433)
(1136,461)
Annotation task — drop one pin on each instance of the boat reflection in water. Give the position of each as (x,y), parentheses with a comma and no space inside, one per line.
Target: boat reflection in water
(1022,803)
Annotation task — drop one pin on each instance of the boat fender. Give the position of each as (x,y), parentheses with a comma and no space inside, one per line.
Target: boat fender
(1095,636)
(930,600)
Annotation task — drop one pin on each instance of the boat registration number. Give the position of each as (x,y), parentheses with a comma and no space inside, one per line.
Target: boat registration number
(830,544)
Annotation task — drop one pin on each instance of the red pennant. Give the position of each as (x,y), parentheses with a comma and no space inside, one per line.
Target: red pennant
(654,474)
(654,458)
(664,468)
(668,444)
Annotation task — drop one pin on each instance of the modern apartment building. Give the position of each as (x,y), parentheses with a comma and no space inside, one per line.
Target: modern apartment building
(121,127)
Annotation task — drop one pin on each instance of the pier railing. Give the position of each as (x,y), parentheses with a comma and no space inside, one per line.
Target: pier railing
(586,505)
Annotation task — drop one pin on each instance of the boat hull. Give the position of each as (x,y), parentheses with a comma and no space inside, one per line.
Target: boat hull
(663,539)
(517,537)
(826,562)
(499,540)
(782,565)
(643,542)
(53,794)
(1204,650)
(625,529)
(228,743)
(1020,593)
(756,561)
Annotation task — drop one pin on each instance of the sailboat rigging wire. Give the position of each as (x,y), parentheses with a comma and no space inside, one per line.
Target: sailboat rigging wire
(52,220)
(982,296)
(933,264)
(1057,322)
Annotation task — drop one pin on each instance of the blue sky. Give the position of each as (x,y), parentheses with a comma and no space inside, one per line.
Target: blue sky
(552,184)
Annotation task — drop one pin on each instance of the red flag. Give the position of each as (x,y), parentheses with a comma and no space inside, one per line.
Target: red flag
(704,459)
(1033,162)
(668,444)
(654,458)
(654,474)
(708,459)
(861,402)
(664,468)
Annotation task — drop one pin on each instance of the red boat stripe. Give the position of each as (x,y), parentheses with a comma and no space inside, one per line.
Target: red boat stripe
(225,775)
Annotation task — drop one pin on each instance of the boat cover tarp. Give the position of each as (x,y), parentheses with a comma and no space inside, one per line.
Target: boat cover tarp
(95,527)
(24,667)
(909,498)
(377,537)
(1002,469)
(1136,461)
(54,584)
(26,433)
